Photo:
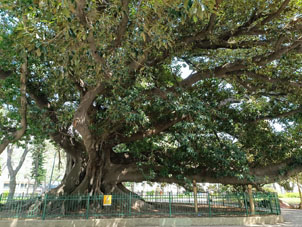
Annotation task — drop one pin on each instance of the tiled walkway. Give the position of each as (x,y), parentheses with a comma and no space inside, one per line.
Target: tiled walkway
(292,218)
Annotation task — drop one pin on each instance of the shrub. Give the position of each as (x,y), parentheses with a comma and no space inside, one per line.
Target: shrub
(289,195)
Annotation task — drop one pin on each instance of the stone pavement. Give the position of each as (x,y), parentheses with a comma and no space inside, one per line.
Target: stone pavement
(292,218)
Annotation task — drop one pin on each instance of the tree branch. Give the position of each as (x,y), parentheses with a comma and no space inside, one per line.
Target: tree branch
(264,59)
(272,16)
(270,80)
(279,115)
(23,110)
(9,160)
(5,74)
(221,71)
(10,168)
(94,51)
(60,136)
(122,28)
(22,159)
(231,45)
(260,175)
(80,13)
(201,35)
(218,72)
(151,132)
(81,120)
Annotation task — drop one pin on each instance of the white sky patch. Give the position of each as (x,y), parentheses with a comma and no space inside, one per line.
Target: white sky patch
(185,70)
(277,126)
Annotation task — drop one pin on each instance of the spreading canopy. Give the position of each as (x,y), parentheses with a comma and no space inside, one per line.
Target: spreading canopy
(169,90)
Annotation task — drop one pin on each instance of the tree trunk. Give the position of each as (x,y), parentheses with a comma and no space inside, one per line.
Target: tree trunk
(95,175)
(13,172)
(12,187)
(34,187)
(300,193)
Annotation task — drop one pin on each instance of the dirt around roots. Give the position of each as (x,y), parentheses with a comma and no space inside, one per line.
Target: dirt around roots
(139,209)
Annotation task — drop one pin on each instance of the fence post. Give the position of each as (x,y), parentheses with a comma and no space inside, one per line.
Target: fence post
(277,198)
(195,196)
(209,201)
(252,204)
(277,204)
(245,204)
(44,208)
(20,207)
(87,206)
(17,204)
(130,203)
(270,203)
(170,205)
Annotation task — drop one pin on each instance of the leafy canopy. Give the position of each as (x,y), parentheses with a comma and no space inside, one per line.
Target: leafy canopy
(109,73)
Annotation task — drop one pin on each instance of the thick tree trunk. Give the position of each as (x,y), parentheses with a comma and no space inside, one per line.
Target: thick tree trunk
(92,180)
(95,175)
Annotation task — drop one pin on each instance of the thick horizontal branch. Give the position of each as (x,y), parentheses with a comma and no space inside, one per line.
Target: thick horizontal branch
(279,115)
(259,175)
(218,72)
(231,45)
(267,79)
(151,132)
(221,71)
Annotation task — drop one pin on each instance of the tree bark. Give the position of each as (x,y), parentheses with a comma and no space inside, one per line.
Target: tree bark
(12,187)
(104,171)
(23,110)
(300,193)
(13,172)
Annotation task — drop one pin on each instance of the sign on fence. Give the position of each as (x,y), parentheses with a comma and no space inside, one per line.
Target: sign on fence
(107,200)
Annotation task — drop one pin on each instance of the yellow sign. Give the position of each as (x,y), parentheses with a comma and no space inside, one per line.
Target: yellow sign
(107,200)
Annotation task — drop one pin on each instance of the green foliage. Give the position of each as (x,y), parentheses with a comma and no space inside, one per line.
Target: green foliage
(289,195)
(269,189)
(245,80)
(4,195)
(38,170)
(150,193)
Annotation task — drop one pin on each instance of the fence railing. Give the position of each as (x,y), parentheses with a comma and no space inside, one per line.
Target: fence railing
(133,205)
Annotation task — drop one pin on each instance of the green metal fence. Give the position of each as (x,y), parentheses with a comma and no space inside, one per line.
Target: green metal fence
(133,205)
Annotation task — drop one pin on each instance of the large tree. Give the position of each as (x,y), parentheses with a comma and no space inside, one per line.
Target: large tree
(105,82)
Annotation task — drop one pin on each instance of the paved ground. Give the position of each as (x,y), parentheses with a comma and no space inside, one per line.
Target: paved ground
(292,218)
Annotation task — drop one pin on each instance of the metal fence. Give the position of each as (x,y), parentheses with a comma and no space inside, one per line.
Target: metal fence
(133,205)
